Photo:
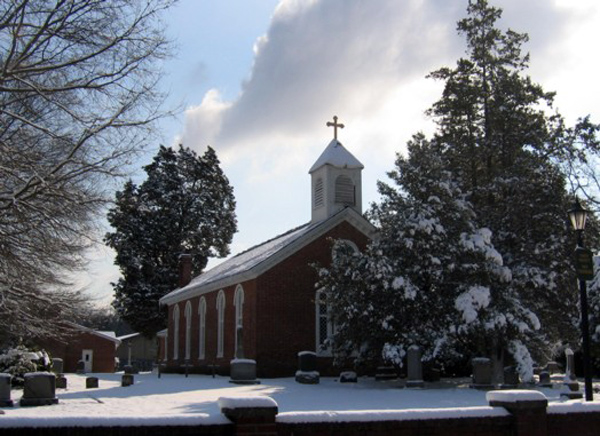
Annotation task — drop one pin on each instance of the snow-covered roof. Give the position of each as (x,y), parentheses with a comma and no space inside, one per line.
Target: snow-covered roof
(129,336)
(254,261)
(336,155)
(111,336)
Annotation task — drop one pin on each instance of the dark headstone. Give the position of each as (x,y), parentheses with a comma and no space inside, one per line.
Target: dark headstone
(307,374)
(572,391)
(414,368)
(307,361)
(511,378)
(544,380)
(383,373)
(431,374)
(126,380)
(482,373)
(243,371)
(5,386)
(39,389)
(91,382)
(61,381)
(552,367)
(57,365)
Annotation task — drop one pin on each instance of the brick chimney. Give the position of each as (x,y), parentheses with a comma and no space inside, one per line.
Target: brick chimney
(185,269)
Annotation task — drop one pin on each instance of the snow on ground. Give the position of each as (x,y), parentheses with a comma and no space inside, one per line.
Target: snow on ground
(176,399)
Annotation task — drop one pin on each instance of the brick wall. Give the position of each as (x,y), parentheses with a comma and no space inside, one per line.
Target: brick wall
(520,418)
(71,351)
(286,304)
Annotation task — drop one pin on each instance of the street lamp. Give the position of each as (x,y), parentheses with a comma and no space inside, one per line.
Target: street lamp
(585,271)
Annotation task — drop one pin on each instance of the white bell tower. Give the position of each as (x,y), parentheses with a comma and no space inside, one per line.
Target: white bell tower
(335,179)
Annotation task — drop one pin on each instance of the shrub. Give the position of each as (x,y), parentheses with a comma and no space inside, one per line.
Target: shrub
(20,360)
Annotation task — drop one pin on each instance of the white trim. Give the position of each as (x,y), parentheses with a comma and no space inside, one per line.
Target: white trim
(176,332)
(188,330)
(314,232)
(220,323)
(238,302)
(202,328)
(319,318)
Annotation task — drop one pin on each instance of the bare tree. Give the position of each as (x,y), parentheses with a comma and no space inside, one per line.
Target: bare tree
(78,98)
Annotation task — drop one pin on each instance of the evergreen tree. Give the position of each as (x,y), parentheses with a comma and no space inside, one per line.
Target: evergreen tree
(498,137)
(185,205)
(474,255)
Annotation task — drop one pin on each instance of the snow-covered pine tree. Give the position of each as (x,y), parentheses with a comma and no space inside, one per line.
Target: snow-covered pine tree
(433,277)
(500,160)
(499,137)
(185,205)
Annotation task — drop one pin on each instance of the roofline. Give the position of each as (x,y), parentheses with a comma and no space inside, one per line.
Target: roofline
(346,214)
(94,332)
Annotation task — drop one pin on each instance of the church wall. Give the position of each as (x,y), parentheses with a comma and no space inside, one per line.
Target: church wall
(211,326)
(286,305)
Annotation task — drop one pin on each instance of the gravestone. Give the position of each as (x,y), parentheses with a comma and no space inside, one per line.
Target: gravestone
(414,368)
(243,371)
(57,365)
(552,367)
(570,371)
(482,373)
(571,391)
(39,389)
(307,373)
(385,373)
(91,382)
(61,381)
(126,380)
(511,378)
(80,367)
(544,381)
(5,386)
(348,377)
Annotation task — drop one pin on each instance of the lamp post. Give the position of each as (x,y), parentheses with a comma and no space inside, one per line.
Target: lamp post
(585,271)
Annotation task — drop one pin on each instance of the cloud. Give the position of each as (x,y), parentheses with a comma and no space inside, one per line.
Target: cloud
(366,62)
(324,57)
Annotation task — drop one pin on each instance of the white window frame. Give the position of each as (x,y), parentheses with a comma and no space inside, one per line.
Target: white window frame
(202,328)
(220,323)
(176,332)
(238,302)
(188,330)
(320,316)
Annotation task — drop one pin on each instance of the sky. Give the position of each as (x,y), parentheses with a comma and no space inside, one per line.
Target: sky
(257,80)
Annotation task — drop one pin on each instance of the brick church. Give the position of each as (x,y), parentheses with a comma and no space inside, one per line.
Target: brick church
(269,290)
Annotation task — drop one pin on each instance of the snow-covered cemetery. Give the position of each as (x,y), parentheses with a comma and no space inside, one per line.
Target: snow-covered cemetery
(251,278)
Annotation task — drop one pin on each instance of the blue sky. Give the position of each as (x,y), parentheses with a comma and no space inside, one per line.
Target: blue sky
(258,79)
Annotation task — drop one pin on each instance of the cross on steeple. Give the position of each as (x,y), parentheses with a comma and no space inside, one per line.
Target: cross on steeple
(335,126)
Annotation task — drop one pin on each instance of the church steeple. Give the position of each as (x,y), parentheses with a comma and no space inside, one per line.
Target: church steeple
(335,179)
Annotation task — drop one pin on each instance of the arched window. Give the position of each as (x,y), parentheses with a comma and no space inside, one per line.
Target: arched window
(176,332)
(238,302)
(343,246)
(344,191)
(220,323)
(188,329)
(324,325)
(202,328)
(319,193)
